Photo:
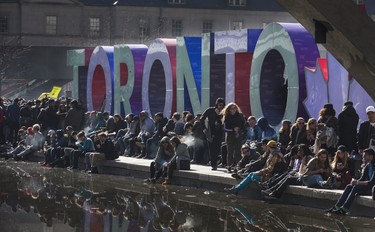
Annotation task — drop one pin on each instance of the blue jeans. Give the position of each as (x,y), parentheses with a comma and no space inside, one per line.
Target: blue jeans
(313,180)
(245,182)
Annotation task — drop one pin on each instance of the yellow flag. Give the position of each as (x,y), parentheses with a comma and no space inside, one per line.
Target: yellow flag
(54,92)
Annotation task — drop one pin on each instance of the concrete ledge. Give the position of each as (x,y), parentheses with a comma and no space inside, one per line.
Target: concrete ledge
(203,177)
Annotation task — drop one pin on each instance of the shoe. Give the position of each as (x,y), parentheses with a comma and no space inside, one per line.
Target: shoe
(213,168)
(340,211)
(229,169)
(166,182)
(41,163)
(330,210)
(93,170)
(140,156)
(231,190)
(139,144)
(86,170)
(266,193)
(193,162)
(328,183)
(237,177)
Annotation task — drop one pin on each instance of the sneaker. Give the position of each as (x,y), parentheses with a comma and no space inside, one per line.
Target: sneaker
(229,169)
(140,156)
(330,210)
(213,168)
(340,211)
(231,190)
(166,182)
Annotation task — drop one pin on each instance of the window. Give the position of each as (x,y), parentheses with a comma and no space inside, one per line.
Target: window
(144,28)
(94,27)
(51,24)
(176,1)
(236,25)
(207,26)
(3,24)
(176,27)
(237,2)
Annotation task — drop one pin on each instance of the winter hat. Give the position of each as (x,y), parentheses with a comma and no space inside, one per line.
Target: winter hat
(328,106)
(30,130)
(219,101)
(341,148)
(348,103)
(369,151)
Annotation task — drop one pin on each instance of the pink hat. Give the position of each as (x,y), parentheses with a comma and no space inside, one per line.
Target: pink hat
(30,130)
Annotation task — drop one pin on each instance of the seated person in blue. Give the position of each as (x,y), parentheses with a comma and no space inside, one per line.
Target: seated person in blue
(362,186)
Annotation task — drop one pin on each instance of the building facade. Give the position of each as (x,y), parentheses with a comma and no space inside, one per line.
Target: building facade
(46,29)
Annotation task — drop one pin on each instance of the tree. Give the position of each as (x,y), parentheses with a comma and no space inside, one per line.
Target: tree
(11,52)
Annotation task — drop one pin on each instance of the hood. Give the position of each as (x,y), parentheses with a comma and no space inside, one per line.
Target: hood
(349,110)
(59,133)
(263,123)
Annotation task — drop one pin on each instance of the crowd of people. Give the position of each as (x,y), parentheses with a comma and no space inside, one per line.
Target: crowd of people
(324,152)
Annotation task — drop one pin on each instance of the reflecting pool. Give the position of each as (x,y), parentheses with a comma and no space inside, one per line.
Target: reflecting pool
(42,199)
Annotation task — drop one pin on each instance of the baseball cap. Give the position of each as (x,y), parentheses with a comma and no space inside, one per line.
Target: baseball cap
(370,109)
(51,132)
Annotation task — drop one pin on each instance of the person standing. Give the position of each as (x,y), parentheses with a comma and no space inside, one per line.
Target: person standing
(12,117)
(213,130)
(348,122)
(234,122)
(366,134)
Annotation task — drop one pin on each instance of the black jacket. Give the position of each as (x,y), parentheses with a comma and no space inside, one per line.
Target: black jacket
(364,135)
(108,149)
(348,122)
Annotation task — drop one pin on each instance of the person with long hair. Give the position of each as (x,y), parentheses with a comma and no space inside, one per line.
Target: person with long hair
(234,122)
(318,171)
(327,118)
(340,168)
(297,169)
(284,134)
(163,156)
(180,160)
(311,129)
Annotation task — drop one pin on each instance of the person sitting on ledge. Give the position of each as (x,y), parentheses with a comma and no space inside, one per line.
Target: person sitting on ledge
(163,156)
(261,175)
(249,154)
(363,186)
(180,161)
(318,171)
(105,150)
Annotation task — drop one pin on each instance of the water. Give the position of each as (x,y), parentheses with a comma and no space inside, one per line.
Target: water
(41,199)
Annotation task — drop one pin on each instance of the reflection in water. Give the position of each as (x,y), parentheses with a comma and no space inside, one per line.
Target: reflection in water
(42,199)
